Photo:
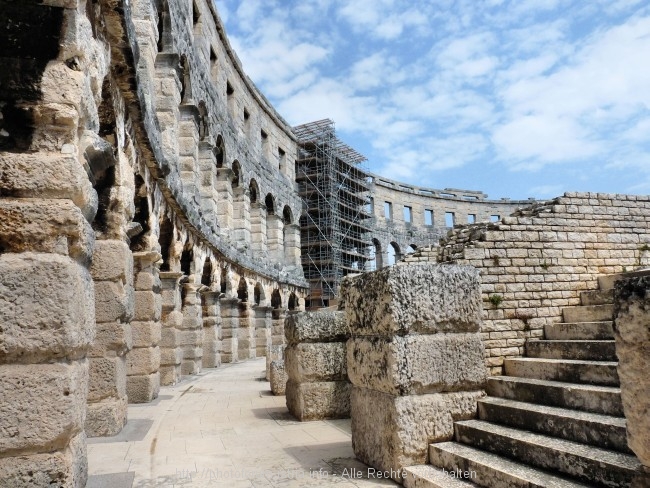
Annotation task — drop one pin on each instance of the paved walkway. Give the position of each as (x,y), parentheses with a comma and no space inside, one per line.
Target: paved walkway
(224,428)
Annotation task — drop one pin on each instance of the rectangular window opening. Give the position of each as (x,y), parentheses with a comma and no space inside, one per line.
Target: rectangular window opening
(449,219)
(494,218)
(428,217)
(408,214)
(471,218)
(388,210)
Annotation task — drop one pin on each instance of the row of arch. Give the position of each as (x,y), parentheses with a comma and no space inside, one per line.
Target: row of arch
(378,258)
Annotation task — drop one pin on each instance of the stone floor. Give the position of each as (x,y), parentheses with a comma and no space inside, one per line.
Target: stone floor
(224,428)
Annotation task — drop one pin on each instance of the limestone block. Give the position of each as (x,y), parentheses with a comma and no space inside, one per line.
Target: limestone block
(107,378)
(173,319)
(143,388)
(318,400)
(191,337)
(170,375)
(420,297)
(69,467)
(112,261)
(392,432)
(146,334)
(316,362)
(46,307)
(632,334)
(190,352)
(42,406)
(191,366)
(169,337)
(148,305)
(325,326)
(111,338)
(106,418)
(417,364)
(278,377)
(171,356)
(146,281)
(113,301)
(273,353)
(142,360)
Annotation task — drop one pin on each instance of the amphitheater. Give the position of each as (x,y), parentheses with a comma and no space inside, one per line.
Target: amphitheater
(162,227)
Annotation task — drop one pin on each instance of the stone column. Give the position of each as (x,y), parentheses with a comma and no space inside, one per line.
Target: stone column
(143,361)
(170,337)
(274,237)
(415,359)
(229,326)
(209,196)
(112,271)
(632,334)
(225,202)
(263,323)
(191,330)
(241,215)
(258,227)
(211,329)
(315,364)
(278,316)
(292,244)
(246,341)
(188,151)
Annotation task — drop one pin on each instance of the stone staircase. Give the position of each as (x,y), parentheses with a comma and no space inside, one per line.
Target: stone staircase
(555,419)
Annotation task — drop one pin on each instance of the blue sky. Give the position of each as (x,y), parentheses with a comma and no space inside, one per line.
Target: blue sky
(521,98)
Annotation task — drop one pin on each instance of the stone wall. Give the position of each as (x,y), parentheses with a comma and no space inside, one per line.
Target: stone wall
(538,260)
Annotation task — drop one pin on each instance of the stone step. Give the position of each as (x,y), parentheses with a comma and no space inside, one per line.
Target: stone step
(588,313)
(606,282)
(588,398)
(493,471)
(566,370)
(595,429)
(577,331)
(427,476)
(586,463)
(597,297)
(583,350)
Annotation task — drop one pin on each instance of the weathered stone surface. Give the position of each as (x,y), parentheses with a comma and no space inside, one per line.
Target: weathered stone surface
(143,360)
(632,333)
(273,353)
(392,432)
(107,378)
(146,334)
(420,297)
(148,305)
(419,364)
(323,326)
(111,338)
(143,388)
(64,468)
(113,301)
(316,362)
(42,406)
(278,378)
(318,400)
(112,261)
(46,307)
(106,418)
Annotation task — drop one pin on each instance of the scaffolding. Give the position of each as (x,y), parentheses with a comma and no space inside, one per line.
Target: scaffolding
(336,221)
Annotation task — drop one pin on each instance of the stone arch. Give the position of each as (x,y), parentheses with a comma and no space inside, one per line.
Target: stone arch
(411,249)
(393,253)
(276,299)
(187,258)
(254,191)
(166,241)
(223,280)
(237,179)
(220,151)
(204,123)
(186,80)
(287,215)
(242,290)
(258,293)
(165,38)
(293,302)
(206,276)
(140,227)
(269,202)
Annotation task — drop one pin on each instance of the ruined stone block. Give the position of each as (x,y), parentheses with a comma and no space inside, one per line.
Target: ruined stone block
(148,306)
(111,338)
(273,353)
(170,375)
(169,337)
(316,362)
(417,364)
(318,400)
(112,261)
(416,298)
(143,388)
(146,334)
(278,377)
(323,326)
(171,356)
(106,418)
(143,360)
(107,378)
(392,432)
(46,306)
(113,301)
(42,406)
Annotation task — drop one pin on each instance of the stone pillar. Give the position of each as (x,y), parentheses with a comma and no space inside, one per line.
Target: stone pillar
(632,334)
(208,192)
(292,244)
(241,215)
(278,316)
(143,361)
(229,326)
(191,330)
(263,323)
(415,359)
(211,329)
(112,271)
(274,237)
(315,363)
(170,337)
(188,142)
(225,202)
(258,227)
(246,341)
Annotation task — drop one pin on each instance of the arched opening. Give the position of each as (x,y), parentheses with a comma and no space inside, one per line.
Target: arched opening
(287,216)
(293,302)
(236,174)
(269,203)
(393,253)
(186,80)
(411,249)
(242,290)
(140,227)
(223,280)
(187,256)
(164,27)
(166,240)
(276,299)
(204,125)
(220,151)
(371,262)
(206,276)
(253,191)
(259,294)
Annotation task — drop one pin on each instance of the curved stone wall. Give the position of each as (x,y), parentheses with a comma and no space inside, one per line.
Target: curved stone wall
(432,213)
